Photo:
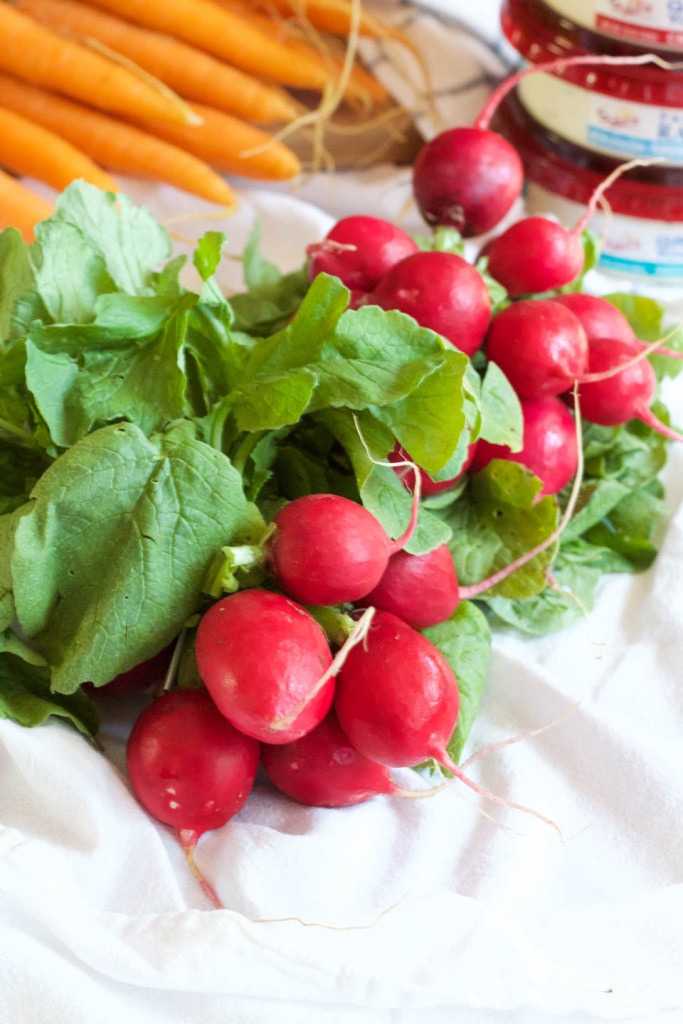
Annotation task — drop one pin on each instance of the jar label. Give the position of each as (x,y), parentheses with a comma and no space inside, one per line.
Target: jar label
(635,129)
(644,21)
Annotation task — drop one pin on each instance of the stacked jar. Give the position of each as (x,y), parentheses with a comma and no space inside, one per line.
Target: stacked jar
(574,127)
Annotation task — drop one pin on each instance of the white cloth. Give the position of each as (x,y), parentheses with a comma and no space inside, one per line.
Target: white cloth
(398,911)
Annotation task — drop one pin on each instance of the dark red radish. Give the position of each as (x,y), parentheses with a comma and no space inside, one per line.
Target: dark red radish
(550,449)
(329,550)
(539,345)
(189,767)
(323,769)
(359,250)
(422,590)
(141,677)
(469,177)
(441,291)
(260,655)
(610,396)
(599,317)
(429,487)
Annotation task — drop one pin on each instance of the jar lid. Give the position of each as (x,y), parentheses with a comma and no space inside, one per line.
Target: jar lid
(540,35)
(653,193)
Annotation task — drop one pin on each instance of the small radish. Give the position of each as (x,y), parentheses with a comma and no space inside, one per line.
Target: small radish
(422,590)
(189,767)
(469,177)
(329,550)
(323,769)
(536,254)
(610,396)
(397,701)
(539,345)
(441,291)
(259,654)
(359,251)
(550,449)
(429,487)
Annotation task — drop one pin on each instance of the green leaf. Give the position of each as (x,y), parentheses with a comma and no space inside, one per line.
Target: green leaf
(25,696)
(501,412)
(16,277)
(646,317)
(465,642)
(109,561)
(142,383)
(497,520)
(207,255)
(128,239)
(69,288)
(556,607)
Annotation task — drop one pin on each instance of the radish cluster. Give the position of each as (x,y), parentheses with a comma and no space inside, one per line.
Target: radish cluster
(326,724)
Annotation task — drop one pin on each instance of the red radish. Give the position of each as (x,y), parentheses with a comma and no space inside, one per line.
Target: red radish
(599,318)
(189,767)
(536,254)
(397,700)
(422,590)
(611,396)
(359,250)
(469,177)
(550,450)
(429,487)
(140,677)
(441,291)
(260,654)
(329,550)
(539,345)
(323,769)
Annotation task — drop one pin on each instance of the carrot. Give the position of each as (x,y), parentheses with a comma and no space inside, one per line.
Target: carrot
(334,16)
(190,72)
(20,208)
(224,142)
(36,54)
(361,86)
(27,148)
(116,145)
(226,35)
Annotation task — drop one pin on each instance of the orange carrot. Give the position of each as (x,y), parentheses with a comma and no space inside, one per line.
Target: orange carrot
(335,16)
(224,142)
(36,54)
(28,148)
(20,208)
(116,145)
(226,35)
(361,86)
(187,70)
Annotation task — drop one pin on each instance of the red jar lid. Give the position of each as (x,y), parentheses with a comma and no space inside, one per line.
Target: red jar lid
(568,170)
(540,35)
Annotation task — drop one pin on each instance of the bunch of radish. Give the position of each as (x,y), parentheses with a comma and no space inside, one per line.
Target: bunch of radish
(328,724)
